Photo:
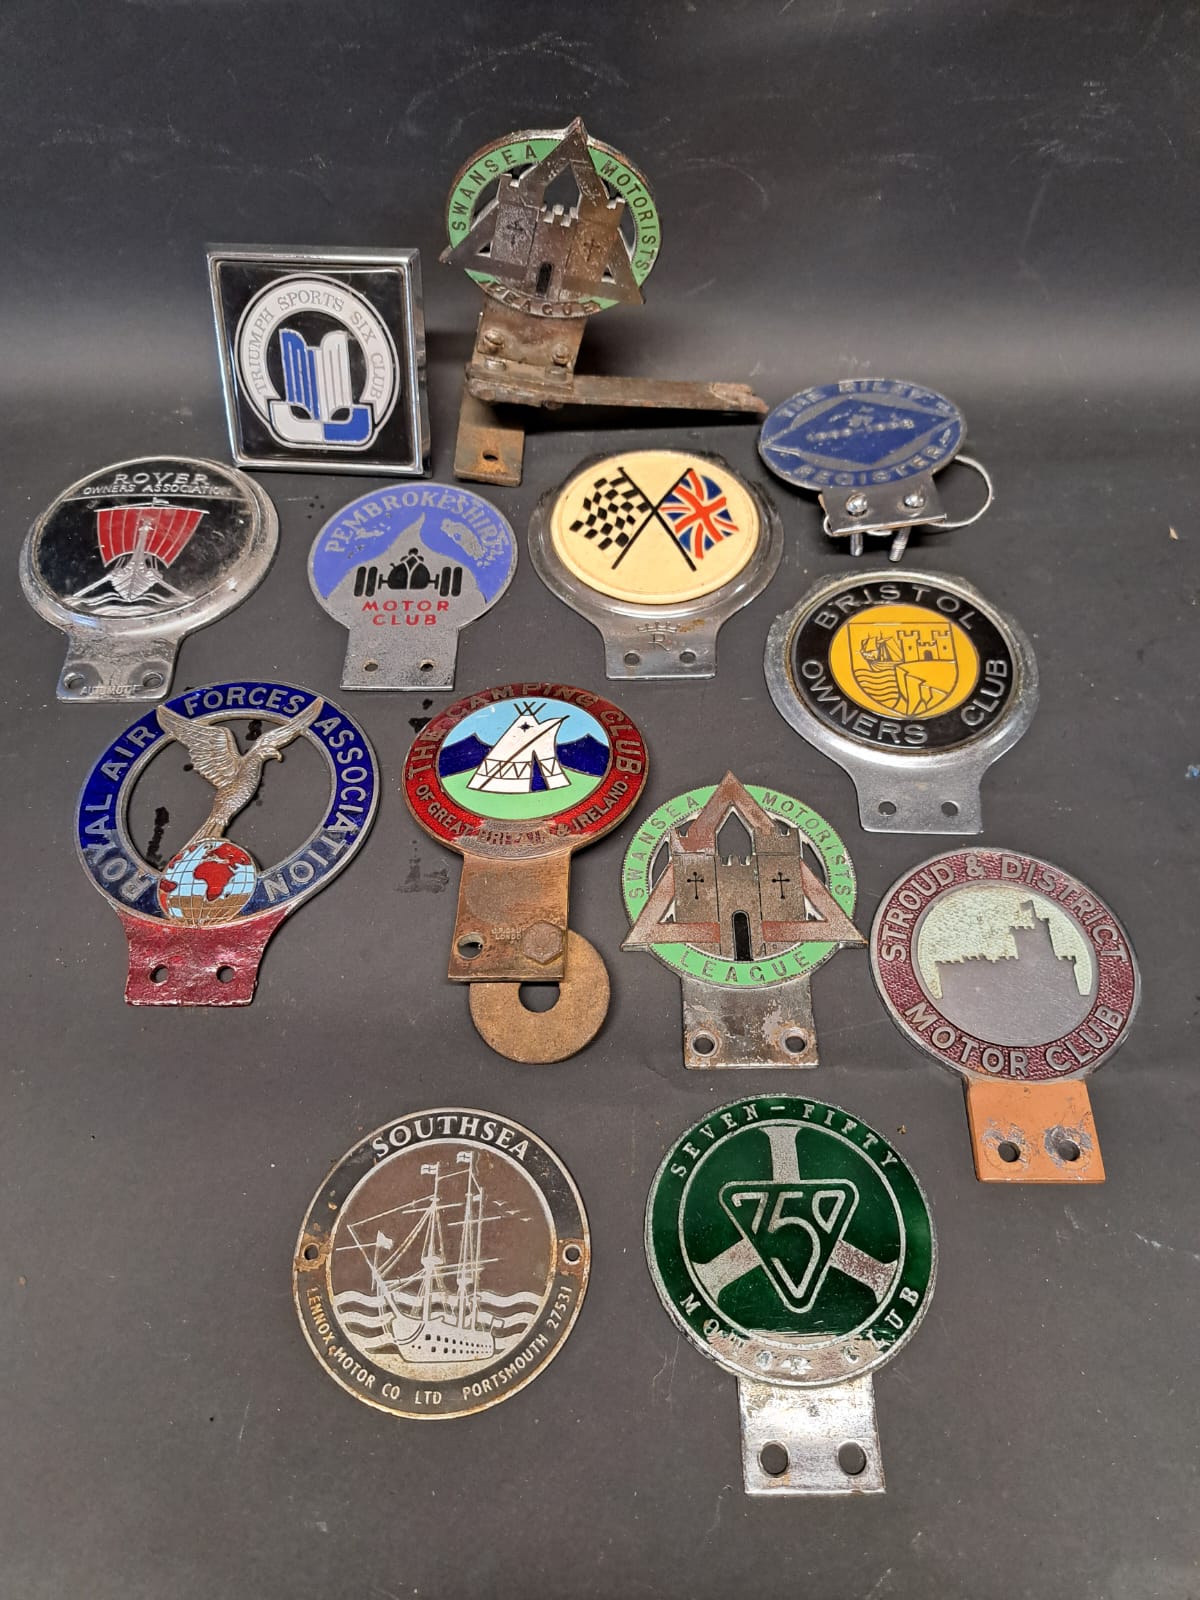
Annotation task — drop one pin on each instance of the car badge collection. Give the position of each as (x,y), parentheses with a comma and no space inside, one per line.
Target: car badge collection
(444,1260)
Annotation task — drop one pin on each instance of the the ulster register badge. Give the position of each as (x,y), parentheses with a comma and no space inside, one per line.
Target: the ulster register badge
(442,1263)
(404,569)
(656,548)
(913,685)
(743,891)
(198,910)
(793,1245)
(322,358)
(1020,979)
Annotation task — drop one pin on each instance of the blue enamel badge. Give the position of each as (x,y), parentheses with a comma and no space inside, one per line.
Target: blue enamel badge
(860,433)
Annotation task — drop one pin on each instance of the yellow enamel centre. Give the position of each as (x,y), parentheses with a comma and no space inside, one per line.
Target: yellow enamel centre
(904,661)
(655,527)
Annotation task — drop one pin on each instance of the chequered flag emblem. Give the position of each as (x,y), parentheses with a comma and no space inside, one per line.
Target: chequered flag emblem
(612,511)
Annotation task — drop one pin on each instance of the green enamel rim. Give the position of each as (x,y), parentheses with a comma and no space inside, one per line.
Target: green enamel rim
(686,959)
(518,150)
(835,1340)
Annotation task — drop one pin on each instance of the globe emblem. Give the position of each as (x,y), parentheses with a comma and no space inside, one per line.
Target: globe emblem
(207,883)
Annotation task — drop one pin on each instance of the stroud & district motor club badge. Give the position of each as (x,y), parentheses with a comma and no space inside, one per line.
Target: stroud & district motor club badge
(197,922)
(442,1264)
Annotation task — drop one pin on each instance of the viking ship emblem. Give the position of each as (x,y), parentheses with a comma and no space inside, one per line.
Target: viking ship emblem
(137,544)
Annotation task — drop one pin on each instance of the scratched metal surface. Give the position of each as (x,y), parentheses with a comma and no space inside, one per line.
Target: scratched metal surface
(995,201)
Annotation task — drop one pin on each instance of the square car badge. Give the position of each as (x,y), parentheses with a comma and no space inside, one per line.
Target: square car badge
(322,358)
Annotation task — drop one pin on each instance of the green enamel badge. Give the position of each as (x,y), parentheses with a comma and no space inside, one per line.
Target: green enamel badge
(790,1241)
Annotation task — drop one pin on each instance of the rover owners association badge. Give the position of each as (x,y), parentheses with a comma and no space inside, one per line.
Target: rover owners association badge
(913,685)
(199,913)
(322,358)
(132,558)
(1019,978)
(744,928)
(442,1264)
(793,1245)
(656,548)
(404,569)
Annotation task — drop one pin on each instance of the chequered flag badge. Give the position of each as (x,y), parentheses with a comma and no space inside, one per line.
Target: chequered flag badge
(612,511)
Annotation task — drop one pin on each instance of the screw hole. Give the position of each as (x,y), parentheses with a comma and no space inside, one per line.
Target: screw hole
(158,974)
(1008,1151)
(225,974)
(632,659)
(538,996)
(687,658)
(949,809)
(427,666)
(852,1459)
(572,1255)
(470,946)
(311,1252)
(152,680)
(1067,1150)
(370,666)
(773,1459)
(704,1044)
(887,808)
(796,1043)
(73,680)
(490,455)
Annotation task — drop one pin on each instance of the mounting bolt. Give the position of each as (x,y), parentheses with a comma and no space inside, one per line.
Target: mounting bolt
(857,505)
(542,942)
(914,499)
(560,355)
(491,340)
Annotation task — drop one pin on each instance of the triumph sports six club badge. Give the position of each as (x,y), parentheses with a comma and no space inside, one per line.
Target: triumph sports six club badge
(322,358)
(198,921)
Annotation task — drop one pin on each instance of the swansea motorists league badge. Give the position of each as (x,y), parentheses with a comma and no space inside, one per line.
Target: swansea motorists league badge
(156,813)
(793,1245)
(323,358)
(442,1264)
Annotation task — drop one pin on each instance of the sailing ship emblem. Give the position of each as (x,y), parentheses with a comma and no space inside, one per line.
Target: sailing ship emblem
(137,543)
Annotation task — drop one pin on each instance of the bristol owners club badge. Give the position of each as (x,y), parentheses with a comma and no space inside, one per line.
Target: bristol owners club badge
(442,1264)
(322,358)
(198,914)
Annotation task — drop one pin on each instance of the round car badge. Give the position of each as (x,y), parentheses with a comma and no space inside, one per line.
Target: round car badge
(869,447)
(198,910)
(404,569)
(516,779)
(442,1264)
(794,1246)
(913,686)
(1019,978)
(133,557)
(743,931)
(656,548)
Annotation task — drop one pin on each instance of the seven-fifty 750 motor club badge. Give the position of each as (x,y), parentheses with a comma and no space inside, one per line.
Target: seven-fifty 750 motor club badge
(323,358)
(404,569)
(198,913)
(442,1263)
(793,1245)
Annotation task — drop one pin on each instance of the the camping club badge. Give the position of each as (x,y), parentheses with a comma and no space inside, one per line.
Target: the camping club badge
(322,358)
(793,1245)
(913,685)
(1019,978)
(404,569)
(869,448)
(196,906)
(516,779)
(132,558)
(656,548)
(442,1264)
(744,892)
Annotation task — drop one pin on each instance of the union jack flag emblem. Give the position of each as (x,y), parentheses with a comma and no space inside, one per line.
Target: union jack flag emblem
(697,513)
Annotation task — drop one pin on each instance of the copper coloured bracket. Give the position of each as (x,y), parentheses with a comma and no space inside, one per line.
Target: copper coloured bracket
(511,923)
(1033,1132)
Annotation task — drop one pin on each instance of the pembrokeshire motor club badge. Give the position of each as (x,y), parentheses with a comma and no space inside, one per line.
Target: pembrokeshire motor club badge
(323,358)
(442,1264)
(198,922)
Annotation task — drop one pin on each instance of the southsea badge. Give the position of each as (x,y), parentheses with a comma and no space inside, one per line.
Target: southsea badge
(793,1246)
(913,685)
(869,447)
(516,779)
(744,892)
(404,569)
(1019,978)
(656,548)
(132,558)
(198,912)
(442,1264)
(322,358)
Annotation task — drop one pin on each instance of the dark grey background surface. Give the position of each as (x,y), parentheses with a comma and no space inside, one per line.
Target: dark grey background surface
(998,200)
